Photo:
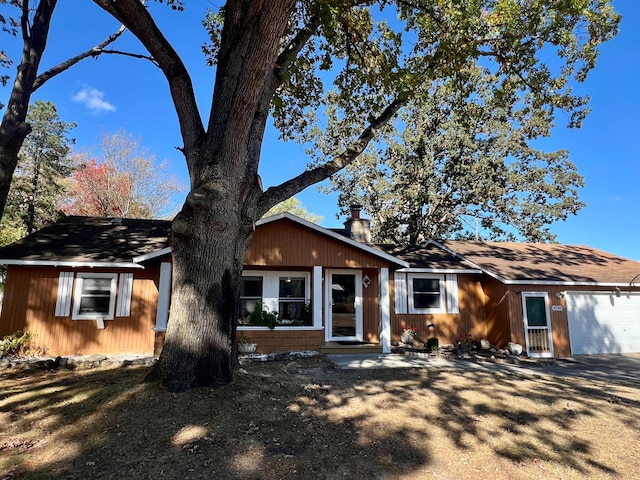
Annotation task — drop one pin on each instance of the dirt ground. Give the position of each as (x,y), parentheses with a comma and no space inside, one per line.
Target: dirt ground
(305,419)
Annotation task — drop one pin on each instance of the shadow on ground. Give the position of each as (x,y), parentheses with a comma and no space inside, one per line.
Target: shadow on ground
(304,419)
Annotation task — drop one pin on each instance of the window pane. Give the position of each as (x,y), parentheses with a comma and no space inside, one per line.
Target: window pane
(251,287)
(426,293)
(95,304)
(426,300)
(248,306)
(96,285)
(291,287)
(536,311)
(421,285)
(291,310)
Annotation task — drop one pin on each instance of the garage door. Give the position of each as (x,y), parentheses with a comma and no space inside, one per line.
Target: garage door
(603,322)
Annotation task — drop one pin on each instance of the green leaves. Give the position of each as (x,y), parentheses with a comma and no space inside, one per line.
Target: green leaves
(460,161)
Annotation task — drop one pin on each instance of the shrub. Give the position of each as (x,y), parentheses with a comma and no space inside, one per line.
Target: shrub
(432,344)
(15,344)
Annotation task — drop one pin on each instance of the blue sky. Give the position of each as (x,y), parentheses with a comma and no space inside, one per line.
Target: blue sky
(114,92)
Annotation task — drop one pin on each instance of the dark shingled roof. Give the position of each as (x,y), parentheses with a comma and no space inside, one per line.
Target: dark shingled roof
(91,239)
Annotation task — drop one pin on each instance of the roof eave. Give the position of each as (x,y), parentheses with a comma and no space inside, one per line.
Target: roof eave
(152,255)
(70,264)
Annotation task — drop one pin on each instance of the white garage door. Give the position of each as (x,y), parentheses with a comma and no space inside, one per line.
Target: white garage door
(603,322)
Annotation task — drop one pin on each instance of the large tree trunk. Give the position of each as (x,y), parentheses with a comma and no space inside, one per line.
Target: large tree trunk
(211,234)
(208,244)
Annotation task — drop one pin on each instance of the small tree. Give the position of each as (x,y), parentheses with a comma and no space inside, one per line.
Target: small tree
(125,181)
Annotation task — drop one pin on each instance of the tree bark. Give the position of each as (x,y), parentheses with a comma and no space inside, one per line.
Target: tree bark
(208,244)
(14,129)
(211,234)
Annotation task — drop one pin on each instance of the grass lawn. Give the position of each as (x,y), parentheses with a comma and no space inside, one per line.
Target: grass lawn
(303,419)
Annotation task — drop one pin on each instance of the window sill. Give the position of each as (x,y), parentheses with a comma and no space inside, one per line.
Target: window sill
(426,311)
(278,327)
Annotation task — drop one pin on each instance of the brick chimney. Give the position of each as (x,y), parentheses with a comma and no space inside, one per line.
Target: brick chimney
(356,228)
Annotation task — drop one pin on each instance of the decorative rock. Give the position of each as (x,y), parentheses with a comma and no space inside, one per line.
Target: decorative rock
(4,363)
(485,344)
(514,348)
(96,357)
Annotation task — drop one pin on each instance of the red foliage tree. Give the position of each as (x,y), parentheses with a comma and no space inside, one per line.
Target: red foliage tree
(98,190)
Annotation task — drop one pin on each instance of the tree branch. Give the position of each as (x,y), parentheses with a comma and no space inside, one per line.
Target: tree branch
(61,67)
(277,194)
(135,16)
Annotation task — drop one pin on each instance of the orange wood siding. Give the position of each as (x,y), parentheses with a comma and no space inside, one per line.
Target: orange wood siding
(286,244)
(30,301)
(497,312)
(447,327)
(370,308)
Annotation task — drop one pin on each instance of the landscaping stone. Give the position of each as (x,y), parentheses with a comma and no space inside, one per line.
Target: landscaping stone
(514,348)
(81,362)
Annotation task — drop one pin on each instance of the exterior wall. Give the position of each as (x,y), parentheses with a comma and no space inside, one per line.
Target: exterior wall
(285,244)
(447,327)
(371,308)
(33,290)
(282,245)
(506,318)
(497,311)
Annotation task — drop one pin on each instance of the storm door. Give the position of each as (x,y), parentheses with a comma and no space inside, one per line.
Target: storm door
(537,324)
(344,309)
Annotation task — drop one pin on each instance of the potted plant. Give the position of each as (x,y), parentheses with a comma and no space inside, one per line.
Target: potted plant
(245,345)
(262,317)
(408,334)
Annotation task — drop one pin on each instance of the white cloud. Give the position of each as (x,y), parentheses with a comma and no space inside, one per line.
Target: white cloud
(93,99)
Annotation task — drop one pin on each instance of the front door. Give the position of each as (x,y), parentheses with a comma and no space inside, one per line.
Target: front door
(344,309)
(537,324)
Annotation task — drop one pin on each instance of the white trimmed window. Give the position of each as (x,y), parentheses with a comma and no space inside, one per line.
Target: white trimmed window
(250,294)
(286,293)
(94,296)
(426,293)
(292,297)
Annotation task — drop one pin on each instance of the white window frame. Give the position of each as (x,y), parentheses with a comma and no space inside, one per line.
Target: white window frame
(77,296)
(271,293)
(441,282)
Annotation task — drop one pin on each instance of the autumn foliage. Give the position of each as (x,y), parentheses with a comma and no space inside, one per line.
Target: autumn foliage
(98,190)
(122,181)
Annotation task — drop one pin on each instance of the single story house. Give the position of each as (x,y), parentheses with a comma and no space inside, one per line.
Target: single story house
(96,285)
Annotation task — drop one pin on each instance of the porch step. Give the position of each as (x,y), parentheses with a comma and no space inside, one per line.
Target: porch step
(335,347)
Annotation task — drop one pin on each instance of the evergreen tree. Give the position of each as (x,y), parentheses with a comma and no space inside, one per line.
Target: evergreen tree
(43,166)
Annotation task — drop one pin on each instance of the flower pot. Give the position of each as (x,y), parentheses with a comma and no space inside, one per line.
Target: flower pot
(406,338)
(247,347)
